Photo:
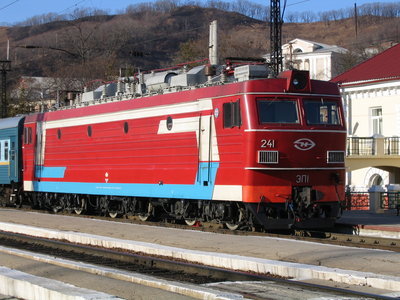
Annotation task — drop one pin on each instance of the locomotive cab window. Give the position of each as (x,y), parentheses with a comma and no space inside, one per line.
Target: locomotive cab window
(232,114)
(278,111)
(321,112)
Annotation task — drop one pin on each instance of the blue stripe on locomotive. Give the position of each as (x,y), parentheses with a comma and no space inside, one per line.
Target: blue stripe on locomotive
(10,152)
(201,189)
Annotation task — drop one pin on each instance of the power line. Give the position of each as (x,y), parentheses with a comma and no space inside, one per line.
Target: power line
(72,6)
(4,7)
(297,2)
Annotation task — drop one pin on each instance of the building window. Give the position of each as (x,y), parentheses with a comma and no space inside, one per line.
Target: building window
(376,120)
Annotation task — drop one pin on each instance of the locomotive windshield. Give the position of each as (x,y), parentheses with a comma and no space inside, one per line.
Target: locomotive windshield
(278,111)
(321,112)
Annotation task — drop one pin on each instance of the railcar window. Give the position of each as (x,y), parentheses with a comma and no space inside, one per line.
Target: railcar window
(6,150)
(232,114)
(321,112)
(278,111)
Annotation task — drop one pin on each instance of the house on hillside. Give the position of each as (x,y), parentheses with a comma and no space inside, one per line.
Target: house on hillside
(43,93)
(320,59)
(371,94)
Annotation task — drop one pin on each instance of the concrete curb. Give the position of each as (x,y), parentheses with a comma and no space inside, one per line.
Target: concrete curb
(171,286)
(235,262)
(26,286)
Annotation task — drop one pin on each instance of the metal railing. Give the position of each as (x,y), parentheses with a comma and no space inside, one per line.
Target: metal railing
(361,201)
(360,146)
(356,201)
(392,146)
(390,200)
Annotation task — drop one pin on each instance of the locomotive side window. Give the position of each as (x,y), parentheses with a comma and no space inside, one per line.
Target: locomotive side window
(89,131)
(27,135)
(232,114)
(278,111)
(321,112)
(126,127)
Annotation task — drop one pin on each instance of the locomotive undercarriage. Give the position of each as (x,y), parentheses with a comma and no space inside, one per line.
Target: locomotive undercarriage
(233,214)
(302,210)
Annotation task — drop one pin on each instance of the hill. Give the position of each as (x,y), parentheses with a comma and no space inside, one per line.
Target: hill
(98,46)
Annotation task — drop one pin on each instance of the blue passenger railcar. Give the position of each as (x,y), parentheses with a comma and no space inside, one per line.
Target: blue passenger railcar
(10,151)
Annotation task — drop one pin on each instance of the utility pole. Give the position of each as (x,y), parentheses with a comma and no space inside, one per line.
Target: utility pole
(276,37)
(5,66)
(356,19)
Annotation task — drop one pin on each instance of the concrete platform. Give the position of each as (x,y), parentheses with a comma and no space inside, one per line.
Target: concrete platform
(297,259)
(364,222)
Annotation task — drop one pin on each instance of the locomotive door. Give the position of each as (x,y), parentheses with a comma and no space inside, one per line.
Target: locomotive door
(13,166)
(40,142)
(208,153)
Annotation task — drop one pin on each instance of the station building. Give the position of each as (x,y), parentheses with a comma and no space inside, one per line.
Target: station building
(371,95)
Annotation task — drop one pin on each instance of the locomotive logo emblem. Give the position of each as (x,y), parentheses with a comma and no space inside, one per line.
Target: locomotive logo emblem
(304,144)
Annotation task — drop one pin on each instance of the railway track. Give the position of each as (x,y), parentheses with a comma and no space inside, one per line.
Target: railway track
(169,269)
(326,237)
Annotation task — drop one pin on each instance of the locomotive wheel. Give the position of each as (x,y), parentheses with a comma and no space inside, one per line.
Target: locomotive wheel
(145,216)
(234,225)
(113,214)
(80,206)
(190,222)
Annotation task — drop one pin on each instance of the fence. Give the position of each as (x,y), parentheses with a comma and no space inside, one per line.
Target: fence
(360,146)
(360,201)
(364,146)
(390,200)
(356,201)
(392,146)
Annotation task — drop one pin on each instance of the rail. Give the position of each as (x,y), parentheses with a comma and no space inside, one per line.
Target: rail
(172,270)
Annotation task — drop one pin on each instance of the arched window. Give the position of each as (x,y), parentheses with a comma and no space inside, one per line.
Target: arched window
(376,179)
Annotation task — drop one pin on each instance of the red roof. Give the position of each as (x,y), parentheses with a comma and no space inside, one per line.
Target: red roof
(385,65)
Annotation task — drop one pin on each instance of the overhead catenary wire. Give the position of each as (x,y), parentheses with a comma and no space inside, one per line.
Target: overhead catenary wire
(72,6)
(9,4)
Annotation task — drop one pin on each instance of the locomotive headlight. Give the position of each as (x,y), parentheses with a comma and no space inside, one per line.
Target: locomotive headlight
(296,81)
(299,80)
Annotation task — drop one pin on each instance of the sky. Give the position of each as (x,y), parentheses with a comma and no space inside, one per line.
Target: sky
(14,11)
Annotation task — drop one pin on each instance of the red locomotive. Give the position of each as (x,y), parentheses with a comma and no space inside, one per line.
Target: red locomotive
(228,145)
